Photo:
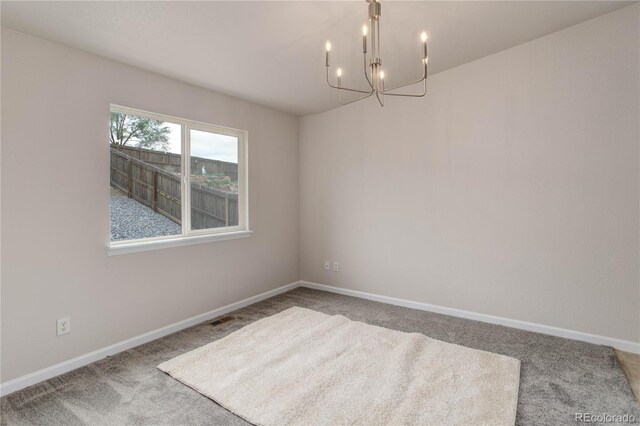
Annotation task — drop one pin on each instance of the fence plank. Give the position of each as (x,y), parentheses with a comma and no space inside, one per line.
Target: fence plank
(129,181)
(155,190)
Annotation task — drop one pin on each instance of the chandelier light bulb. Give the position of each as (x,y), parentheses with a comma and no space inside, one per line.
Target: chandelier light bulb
(381,75)
(423,37)
(339,72)
(328,46)
(365,29)
(426,60)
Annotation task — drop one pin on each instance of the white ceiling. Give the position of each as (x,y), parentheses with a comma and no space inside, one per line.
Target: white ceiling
(272,53)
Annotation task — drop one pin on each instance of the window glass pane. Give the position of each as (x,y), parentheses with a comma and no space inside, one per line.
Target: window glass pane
(144,177)
(214,180)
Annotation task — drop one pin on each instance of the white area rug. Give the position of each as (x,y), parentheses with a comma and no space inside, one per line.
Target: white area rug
(307,368)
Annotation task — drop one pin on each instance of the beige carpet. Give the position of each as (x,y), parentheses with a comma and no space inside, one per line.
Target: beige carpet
(307,368)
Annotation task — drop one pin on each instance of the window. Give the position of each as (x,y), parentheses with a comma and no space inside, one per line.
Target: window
(174,181)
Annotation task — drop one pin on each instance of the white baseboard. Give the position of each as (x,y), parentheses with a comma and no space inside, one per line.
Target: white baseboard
(66,366)
(623,345)
(63,367)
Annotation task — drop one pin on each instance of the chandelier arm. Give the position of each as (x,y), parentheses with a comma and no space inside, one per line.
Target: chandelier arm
(344,88)
(424,92)
(366,74)
(359,98)
(423,78)
(380,101)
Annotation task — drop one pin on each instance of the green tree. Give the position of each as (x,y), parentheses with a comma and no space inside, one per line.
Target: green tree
(138,131)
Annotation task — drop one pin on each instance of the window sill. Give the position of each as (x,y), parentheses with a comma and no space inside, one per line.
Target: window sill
(116,248)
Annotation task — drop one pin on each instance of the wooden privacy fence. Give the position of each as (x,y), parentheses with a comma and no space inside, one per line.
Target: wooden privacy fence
(160,190)
(164,159)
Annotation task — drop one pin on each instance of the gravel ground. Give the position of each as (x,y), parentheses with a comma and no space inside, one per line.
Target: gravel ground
(131,220)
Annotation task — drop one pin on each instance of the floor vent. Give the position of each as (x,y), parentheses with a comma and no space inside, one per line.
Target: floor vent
(221,320)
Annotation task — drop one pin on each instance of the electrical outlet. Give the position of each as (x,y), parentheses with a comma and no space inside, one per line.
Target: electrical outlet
(336,267)
(327,265)
(64,326)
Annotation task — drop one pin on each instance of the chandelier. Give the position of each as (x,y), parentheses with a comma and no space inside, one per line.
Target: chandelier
(373,71)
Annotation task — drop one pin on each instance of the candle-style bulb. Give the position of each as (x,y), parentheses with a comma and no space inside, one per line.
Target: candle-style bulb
(381,75)
(339,72)
(424,37)
(327,53)
(364,38)
(426,60)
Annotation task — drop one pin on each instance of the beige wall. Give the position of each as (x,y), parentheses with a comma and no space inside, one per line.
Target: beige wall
(510,190)
(55,195)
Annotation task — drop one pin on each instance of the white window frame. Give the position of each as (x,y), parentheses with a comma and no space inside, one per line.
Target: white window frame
(189,236)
